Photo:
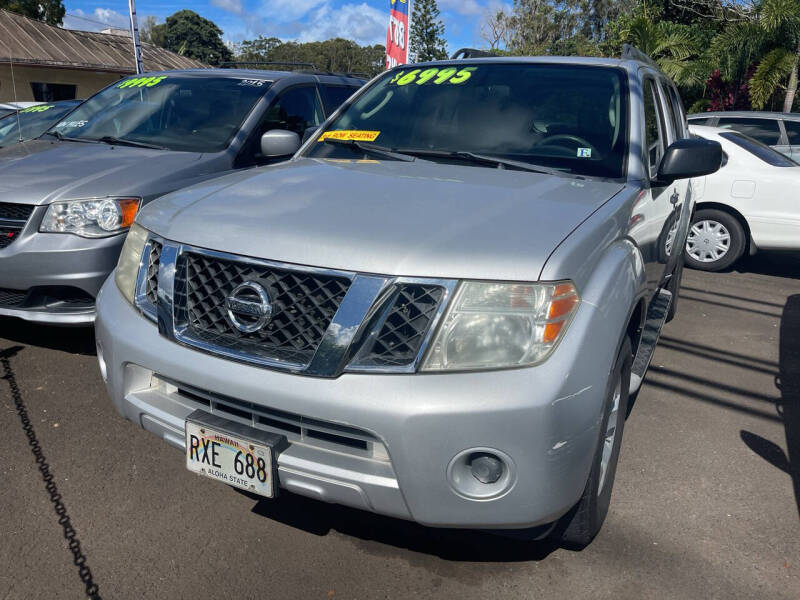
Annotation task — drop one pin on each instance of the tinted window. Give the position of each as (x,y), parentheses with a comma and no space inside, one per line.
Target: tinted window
(700,120)
(295,109)
(653,138)
(762,151)
(793,131)
(568,117)
(677,107)
(333,96)
(33,122)
(178,112)
(673,125)
(765,131)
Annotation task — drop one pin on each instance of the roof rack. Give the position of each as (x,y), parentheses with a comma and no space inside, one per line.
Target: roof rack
(633,53)
(233,63)
(470,53)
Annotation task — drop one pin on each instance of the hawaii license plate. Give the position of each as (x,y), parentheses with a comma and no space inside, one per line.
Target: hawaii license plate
(232,453)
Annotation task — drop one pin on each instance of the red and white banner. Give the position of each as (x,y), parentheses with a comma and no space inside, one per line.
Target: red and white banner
(397,34)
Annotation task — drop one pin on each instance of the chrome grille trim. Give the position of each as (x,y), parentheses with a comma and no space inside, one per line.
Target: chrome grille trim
(357,321)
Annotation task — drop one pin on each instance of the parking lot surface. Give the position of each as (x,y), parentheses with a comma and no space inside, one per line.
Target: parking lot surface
(705,503)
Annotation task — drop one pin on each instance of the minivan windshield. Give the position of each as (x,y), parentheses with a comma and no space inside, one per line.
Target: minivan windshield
(33,121)
(175,112)
(572,118)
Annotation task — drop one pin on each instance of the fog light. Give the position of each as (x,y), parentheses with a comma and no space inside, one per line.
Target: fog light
(485,467)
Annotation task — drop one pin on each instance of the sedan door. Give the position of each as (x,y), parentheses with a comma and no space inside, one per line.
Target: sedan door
(793,138)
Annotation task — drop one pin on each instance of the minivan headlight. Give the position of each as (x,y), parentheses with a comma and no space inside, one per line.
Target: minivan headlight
(499,325)
(129,260)
(92,218)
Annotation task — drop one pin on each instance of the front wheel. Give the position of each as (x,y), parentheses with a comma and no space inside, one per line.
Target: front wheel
(716,240)
(580,525)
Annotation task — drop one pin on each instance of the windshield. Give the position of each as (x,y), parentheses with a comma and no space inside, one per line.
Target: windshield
(759,150)
(33,122)
(569,117)
(176,112)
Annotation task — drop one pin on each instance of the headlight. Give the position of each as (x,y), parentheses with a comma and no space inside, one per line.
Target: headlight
(98,217)
(497,325)
(129,259)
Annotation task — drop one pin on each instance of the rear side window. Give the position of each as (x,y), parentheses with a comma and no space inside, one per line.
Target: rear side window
(699,120)
(765,131)
(653,136)
(762,151)
(333,96)
(793,131)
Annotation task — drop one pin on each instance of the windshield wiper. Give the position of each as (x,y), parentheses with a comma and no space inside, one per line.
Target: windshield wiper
(62,138)
(110,139)
(482,159)
(370,149)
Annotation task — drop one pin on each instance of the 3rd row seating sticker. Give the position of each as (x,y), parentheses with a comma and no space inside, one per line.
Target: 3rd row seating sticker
(350,134)
(433,76)
(142,82)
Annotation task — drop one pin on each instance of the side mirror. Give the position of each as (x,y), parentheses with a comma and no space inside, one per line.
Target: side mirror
(279,142)
(309,133)
(693,157)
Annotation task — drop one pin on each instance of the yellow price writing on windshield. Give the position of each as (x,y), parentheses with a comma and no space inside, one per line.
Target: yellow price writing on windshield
(142,82)
(39,108)
(433,75)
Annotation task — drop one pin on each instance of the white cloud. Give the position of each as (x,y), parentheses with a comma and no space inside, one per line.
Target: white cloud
(100,18)
(288,10)
(462,7)
(231,6)
(358,22)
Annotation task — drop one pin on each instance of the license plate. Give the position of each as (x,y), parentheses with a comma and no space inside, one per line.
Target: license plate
(232,453)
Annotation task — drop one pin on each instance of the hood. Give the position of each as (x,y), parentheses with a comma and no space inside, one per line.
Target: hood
(41,171)
(396,218)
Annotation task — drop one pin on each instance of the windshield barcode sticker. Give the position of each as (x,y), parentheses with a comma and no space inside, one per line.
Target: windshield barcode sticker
(584,153)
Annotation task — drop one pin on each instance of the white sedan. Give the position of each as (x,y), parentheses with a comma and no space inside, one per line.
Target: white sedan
(751,203)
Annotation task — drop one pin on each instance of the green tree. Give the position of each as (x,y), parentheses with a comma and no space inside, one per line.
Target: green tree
(189,34)
(49,11)
(153,33)
(780,20)
(671,45)
(427,32)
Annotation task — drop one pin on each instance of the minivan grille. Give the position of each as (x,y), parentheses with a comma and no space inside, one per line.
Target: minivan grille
(13,218)
(400,337)
(151,277)
(304,303)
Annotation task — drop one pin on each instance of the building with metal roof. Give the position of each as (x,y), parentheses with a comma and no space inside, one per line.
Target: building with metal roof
(50,63)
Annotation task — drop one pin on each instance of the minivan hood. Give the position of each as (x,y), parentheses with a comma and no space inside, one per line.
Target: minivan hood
(41,171)
(418,218)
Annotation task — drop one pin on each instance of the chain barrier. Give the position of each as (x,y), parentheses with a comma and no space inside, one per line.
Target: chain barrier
(78,557)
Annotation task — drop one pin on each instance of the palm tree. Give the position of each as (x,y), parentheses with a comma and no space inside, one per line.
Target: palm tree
(779,19)
(671,45)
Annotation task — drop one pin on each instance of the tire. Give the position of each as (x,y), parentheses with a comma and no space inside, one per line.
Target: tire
(580,525)
(674,287)
(701,252)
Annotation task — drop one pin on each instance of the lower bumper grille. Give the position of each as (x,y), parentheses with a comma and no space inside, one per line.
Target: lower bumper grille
(12,297)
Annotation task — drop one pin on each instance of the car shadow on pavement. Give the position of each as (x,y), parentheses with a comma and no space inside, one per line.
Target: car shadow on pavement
(788,382)
(75,340)
(778,264)
(320,518)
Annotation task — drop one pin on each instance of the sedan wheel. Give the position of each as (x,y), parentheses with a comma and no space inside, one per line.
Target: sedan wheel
(716,240)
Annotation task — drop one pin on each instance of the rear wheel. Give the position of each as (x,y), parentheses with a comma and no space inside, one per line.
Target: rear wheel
(716,240)
(580,525)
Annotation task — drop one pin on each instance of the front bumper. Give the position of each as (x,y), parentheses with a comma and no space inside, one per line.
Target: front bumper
(54,277)
(544,420)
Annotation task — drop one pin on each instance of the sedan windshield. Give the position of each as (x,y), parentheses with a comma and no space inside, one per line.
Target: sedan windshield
(566,117)
(33,122)
(175,112)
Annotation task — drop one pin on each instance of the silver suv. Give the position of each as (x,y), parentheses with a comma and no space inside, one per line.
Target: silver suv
(437,310)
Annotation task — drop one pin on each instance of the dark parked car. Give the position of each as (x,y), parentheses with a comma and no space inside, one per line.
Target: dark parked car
(29,123)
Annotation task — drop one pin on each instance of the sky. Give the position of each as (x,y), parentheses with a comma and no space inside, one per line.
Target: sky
(364,21)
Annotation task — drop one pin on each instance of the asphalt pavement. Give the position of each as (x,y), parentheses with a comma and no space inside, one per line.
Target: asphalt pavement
(705,503)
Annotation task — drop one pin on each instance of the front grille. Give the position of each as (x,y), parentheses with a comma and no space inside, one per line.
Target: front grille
(17,212)
(12,297)
(13,218)
(304,303)
(151,281)
(400,337)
